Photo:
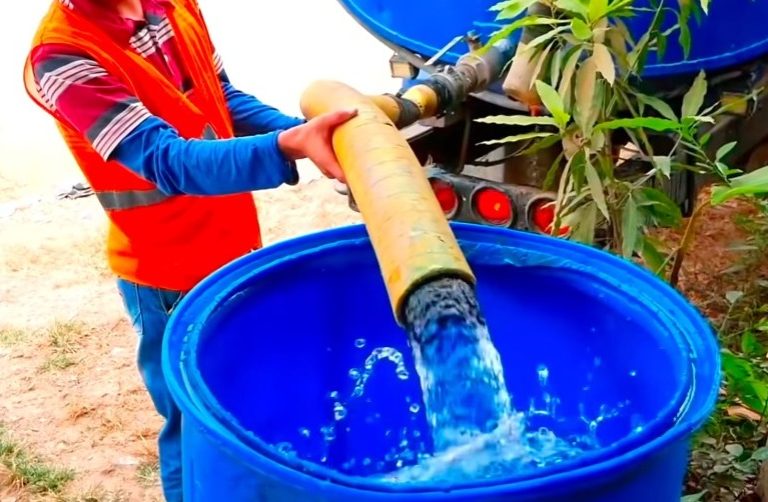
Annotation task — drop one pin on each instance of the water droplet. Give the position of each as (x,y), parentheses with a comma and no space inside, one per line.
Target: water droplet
(360,343)
(414,408)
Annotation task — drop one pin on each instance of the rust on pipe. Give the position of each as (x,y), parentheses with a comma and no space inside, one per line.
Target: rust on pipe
(409,232)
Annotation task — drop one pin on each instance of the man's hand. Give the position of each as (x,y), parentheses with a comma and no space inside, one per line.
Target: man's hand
(313,141)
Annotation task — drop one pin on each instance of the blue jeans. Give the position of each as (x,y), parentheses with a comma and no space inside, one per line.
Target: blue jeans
(149,310)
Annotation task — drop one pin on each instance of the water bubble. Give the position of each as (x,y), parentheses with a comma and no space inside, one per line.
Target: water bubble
(304,432)
(329,433)
(360,343)
(633,373)
(367,461)
(334,394)
(402,374)
(414,408)
(339,411)
(399,464)
(543,372)
(354,374)
(285,448)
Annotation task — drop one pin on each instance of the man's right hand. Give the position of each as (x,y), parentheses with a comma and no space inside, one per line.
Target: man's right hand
(313,141)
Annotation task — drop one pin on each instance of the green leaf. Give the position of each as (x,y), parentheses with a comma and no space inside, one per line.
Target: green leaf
(660,106)
(586,80)
(751,346)
(693,498)
(552,101)
(580,29)
(658,207)
(596,187)
(734,449)
(653,258)
(744,381)
(597,9)
(753,183)
(556,66)
(540,60)
(685,36)
(521,23)
(541,145)
(518,137)
(663,164)
(577,7)
(511,9)
(568,71)
(761,454)
(517,120)
(583,222)
(604,62)
(725,150)
(694,98)
(652,123)
(546,37)
(630,228)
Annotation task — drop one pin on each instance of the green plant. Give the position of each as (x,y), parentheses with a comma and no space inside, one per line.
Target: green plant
(586,69)
(64,338)
(10,337)
(29,471)
(618,141)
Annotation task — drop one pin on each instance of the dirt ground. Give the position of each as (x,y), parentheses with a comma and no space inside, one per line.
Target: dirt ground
(70,392)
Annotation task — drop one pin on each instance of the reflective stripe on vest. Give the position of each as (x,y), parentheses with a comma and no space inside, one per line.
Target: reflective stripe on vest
(130,199)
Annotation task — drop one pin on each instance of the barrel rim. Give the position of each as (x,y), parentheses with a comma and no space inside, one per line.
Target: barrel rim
(691,418)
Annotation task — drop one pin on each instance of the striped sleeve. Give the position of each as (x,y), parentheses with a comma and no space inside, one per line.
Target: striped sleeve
(94,102)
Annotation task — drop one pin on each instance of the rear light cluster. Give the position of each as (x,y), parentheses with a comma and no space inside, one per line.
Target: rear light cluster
(482,202)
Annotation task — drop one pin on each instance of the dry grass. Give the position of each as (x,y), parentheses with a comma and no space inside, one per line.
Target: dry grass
(26,471)
(64,340)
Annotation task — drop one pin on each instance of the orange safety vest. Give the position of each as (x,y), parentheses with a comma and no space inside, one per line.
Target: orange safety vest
(169,242)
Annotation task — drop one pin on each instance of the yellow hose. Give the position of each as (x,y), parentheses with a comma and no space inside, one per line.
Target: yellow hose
(410,234)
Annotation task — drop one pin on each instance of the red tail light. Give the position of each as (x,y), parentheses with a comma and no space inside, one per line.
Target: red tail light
(543,217)
(494,206)
(446,196)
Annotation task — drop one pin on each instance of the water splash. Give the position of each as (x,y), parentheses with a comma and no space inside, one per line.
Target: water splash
(459,368)
(361,376)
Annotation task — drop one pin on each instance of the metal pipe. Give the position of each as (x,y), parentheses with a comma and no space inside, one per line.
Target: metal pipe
(517,85)
(446,89)
(410,234)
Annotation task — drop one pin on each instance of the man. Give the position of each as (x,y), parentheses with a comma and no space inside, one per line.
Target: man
(171,150)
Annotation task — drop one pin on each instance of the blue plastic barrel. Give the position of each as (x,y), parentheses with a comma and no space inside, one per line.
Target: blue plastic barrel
(732,33)
(260,352)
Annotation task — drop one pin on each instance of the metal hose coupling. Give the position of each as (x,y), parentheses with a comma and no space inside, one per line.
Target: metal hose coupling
(448,88)
(409,232)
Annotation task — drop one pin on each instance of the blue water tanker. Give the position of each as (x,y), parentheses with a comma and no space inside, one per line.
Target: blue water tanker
(264,353)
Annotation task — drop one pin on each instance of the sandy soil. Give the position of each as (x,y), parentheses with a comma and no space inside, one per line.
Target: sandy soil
(70,388)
